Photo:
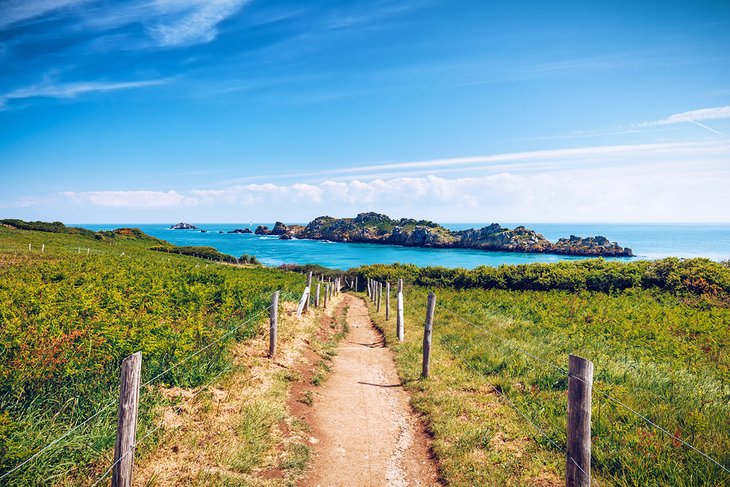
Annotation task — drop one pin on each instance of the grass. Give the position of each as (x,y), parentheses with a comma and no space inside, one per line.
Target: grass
(70,312)
(663,355)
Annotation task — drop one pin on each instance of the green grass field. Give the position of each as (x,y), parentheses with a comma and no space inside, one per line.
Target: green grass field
(664,355)
(74,305)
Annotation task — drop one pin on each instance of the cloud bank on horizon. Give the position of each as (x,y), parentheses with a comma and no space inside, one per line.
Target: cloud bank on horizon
(161,110)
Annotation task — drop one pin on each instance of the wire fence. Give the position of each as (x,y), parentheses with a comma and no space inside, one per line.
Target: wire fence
(54,443)
(622,404)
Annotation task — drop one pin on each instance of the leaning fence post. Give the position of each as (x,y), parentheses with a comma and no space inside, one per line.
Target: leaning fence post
(303,302)
(578,460)
(316,300)
(273,323)
(127,421)
(399,326)
(309,286)
(387,301)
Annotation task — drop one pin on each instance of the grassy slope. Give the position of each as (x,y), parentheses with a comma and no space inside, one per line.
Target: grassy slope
(69,315)
(664,356)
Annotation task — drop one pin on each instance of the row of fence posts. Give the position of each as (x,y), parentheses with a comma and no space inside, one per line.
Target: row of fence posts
(374,291)
(580,384)
(325,288)
(580,380)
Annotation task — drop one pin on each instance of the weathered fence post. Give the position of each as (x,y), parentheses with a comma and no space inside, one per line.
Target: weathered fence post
(355,283)
(427,329)
(379,287)
(273,323)
(578,461)
(326,294)
(30,246)
(316,300)
(309,286)
(387,301)
(399,326)
(127,421)
(303,302)
(43,248)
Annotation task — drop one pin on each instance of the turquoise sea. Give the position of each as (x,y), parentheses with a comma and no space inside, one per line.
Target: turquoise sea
(648,241)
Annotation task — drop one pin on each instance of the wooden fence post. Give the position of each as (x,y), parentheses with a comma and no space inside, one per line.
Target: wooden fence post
(427,329)
(379,287)
(387,301)
(578,461)
(326,294)
(127,421)
(303,302)
(355,283)
(316,300)
(399,326)
(273,323)
(309,286)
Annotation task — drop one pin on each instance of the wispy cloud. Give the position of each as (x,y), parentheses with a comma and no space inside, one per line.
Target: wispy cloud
(71,90)
(130,199)
(694,116)
(655,193)
(193,21)
(586,155)
(167,22)
(14,11)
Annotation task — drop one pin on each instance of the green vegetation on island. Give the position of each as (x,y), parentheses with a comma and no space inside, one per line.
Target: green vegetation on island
(381,229)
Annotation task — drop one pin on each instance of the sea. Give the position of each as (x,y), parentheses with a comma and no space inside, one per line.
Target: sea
(647,240)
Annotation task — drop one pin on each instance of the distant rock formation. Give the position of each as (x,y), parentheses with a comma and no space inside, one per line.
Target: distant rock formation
(378,228)
(240,230)
(184,226)
(279,229)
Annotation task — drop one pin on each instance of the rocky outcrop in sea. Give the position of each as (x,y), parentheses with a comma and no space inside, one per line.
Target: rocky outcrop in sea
(183,226)
(378,228)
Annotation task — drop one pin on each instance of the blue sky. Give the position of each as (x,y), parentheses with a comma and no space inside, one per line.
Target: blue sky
(234,110)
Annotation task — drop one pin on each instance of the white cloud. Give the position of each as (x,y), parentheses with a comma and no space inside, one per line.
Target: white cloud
(191,21)
(655,192)
(130,199)
(662,183)
(531,161)
(696,115)
(14,11)
(71,90)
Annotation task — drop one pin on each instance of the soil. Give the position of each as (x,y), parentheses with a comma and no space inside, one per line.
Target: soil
(364,431)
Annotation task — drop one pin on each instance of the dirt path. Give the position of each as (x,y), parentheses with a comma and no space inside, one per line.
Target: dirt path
(364,431)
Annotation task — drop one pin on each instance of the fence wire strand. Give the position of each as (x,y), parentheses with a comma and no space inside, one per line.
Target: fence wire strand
(596,390)
(502,395)
(150,381)
(153,430)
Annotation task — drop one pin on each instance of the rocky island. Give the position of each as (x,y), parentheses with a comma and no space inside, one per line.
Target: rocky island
(183,226)
(378,228)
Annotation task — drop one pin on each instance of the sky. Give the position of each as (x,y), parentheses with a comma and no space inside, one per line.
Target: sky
(157,111)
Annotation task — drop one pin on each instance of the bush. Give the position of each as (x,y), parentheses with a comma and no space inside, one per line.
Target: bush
(691,276)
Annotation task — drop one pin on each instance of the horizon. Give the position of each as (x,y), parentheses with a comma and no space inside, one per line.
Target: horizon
(145,111)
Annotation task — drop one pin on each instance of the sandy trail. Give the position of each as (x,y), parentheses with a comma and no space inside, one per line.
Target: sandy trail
(364,431)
